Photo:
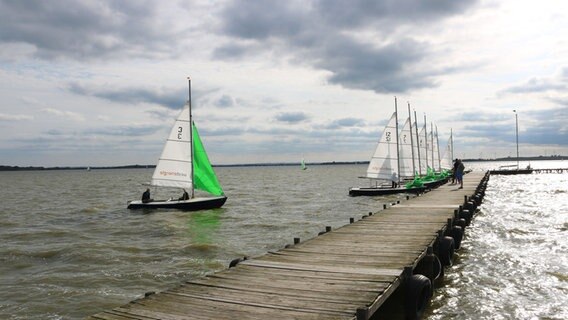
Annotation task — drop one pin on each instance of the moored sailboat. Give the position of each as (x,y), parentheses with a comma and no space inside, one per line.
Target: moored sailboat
(184,164)
(387,163)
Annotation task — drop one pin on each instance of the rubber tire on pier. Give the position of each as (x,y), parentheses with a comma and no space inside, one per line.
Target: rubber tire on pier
(418,292)
(457,235)
(446,250)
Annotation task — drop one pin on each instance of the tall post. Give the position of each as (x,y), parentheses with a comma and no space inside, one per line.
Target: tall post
(517,134)
(417,142)
(438,149)
(397,143)
(190,135)
(432,145)
(411,140)
(426,141)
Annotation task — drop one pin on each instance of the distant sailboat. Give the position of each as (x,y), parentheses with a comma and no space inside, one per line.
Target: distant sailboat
(184,164)
(303,164)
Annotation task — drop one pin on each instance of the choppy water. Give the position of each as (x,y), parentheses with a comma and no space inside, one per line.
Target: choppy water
(71,249)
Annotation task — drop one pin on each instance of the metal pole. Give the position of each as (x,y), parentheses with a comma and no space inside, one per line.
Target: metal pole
(438,149)
(426,141)
(397,146)
(411,140)
(432,144)
(417,142)
(190,135)
(452,145)
(517,134)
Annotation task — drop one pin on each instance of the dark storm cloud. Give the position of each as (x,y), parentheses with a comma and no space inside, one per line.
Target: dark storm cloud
(86,29)
(323,34)
(172,99)
(292,117)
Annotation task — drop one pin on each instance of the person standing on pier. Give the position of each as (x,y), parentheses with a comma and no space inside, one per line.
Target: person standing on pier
(455,169)
(459,172)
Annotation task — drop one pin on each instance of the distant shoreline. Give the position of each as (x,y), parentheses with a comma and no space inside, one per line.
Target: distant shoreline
(137,166)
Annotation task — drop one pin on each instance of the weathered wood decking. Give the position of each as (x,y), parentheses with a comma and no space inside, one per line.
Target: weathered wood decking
(343,274)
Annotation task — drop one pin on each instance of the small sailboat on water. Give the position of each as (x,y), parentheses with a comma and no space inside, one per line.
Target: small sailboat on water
(303,164)
(184,164)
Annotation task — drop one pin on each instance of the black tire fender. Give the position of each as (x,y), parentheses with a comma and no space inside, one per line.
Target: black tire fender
(457,235)
(418,292)
(446,251)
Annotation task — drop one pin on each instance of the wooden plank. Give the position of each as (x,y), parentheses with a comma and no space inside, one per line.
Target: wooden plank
(300,266)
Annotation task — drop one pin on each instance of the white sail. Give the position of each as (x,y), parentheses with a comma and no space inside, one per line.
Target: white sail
(417,155)
(436,152)
(174,166)
(423,151)
(446,161)
(430,150)
(384,163)
(405,144)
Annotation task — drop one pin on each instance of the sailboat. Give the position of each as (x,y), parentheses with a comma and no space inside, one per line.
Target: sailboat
(388,167)
(303,164)
(184,164)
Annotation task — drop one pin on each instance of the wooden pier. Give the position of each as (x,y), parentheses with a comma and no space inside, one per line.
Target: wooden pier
(347,273)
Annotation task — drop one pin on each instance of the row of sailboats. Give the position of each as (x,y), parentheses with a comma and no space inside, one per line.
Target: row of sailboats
(400,156)
(405,160)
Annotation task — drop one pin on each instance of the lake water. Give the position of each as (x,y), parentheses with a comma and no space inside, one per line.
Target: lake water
(70,248)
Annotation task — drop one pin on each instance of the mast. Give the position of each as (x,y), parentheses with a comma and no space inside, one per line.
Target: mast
(426,141)
(432,144)
(190,136)
(452,144)
(397,142)
(411,140)
(417,142)
(438,149)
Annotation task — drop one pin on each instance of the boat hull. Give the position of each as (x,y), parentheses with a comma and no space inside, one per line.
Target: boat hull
(354,192)
(185,205)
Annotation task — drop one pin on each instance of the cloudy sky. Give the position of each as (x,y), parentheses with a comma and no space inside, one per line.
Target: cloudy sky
(99,82)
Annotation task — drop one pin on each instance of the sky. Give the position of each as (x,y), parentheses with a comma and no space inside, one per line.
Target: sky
(99,83)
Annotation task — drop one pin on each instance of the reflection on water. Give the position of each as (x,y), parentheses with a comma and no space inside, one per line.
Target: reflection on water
(70,248)
(514,261)
(202,226)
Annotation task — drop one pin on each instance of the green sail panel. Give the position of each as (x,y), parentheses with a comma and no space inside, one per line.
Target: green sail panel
(203,175)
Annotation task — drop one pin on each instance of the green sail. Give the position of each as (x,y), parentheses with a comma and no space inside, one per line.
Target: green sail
(204,177)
